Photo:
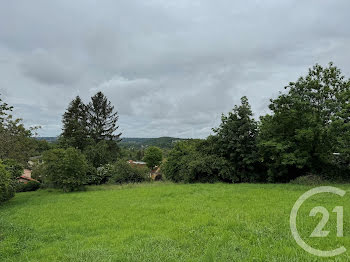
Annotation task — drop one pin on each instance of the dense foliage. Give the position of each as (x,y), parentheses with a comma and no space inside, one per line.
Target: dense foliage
(10,170)
(309,123)
(153,156)
(307,133)
(16,146)
(65,169)
(123,172)
(7,187)
(75,125)
(102,120)
(236,141)
(15,140)
(191,161)
(104,173)
(131,153)
(231,155)
(13,167)
(85,124)
(91,129)
(101,153)
(30,186)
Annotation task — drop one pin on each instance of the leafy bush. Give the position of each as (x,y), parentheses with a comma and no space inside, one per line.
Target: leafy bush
(7,189)
(205,169)
(12,166)
(101,153)
(92,177)
(15,170)
(104,173)
(30,186)
(101,175)
(175,168)
(65,169)
(187,164)
(123,172)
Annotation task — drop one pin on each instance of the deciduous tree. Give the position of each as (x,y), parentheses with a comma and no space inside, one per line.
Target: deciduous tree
(15,140)
(236,141)
(307,125)
(153,156)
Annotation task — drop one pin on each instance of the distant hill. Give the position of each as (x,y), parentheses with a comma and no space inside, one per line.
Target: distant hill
(162,142)
(128,142)
(50,139)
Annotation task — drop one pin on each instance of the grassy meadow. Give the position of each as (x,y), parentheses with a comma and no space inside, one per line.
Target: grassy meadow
(166,222)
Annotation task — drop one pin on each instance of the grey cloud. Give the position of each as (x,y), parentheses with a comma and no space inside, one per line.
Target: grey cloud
(127,93)
(45,68)
(169,67)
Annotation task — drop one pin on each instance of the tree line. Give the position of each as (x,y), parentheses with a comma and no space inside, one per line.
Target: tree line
(87,151)
(17,145)
(307,132)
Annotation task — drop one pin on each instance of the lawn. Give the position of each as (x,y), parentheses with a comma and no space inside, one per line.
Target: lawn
(166,222)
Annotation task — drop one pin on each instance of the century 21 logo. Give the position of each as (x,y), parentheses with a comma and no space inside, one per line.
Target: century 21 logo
(318,231)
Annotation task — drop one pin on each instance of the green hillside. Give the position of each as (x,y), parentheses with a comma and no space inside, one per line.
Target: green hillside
(162,142)
(137,143)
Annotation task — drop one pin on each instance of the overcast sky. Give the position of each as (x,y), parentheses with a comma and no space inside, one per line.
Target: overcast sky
(169,67)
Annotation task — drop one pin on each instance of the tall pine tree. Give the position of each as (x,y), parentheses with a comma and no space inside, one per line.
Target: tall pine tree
(75,126)
(102,119)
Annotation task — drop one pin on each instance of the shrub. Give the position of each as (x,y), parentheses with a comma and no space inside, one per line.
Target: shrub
(189,162)
(185,164)
(125,173)
(101,175)
(104,173)
(207,169)
(7,189)
(65,169)
(101,153)
(92,177)
(14,168)
(175,168)
(30,186)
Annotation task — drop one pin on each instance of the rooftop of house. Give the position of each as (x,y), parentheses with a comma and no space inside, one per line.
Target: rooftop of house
(137,162)
(27,178)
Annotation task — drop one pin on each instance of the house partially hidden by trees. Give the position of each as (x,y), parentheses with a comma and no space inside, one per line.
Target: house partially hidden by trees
(155,173)
(137,163)
(26,177)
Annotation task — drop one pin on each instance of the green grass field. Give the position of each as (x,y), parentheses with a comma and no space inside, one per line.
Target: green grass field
(166,222)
